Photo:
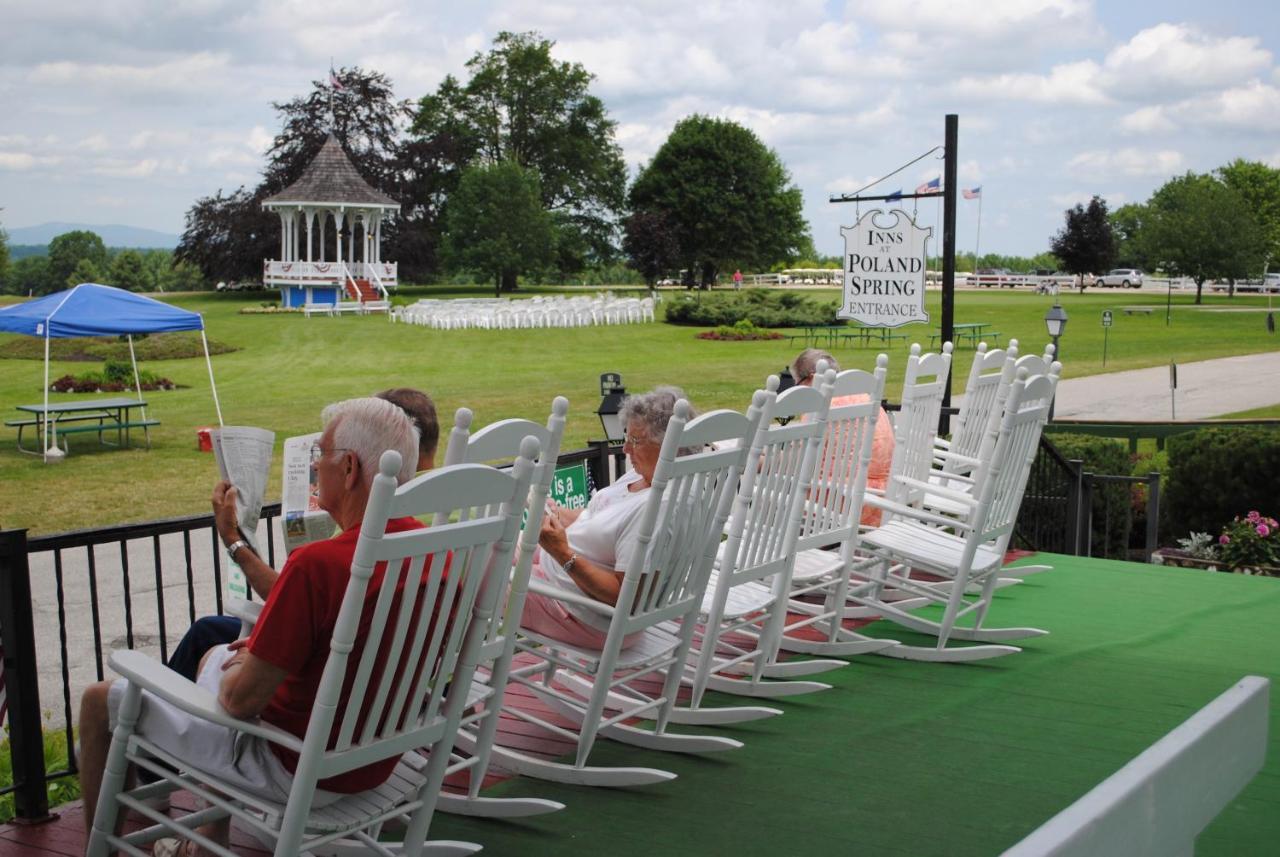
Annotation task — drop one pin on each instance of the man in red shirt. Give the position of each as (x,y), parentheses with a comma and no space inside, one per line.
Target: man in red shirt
(275,674)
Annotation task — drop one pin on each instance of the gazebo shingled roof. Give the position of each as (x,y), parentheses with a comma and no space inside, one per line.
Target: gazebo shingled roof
(331,178)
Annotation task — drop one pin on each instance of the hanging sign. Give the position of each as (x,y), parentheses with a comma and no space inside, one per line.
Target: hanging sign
(884,266)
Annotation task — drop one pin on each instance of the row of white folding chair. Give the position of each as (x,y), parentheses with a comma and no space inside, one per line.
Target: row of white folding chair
(531,313)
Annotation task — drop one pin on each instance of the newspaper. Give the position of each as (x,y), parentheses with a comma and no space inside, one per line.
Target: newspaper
(243,454)
(302,518)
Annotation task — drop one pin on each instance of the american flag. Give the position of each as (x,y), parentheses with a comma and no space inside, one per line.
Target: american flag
(934,186)
(897,194)
(973,193)
(334,82)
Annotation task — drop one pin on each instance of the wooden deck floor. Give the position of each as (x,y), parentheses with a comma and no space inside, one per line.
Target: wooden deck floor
(924,759)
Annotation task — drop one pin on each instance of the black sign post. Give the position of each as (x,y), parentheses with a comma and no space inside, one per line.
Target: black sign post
(1106,330)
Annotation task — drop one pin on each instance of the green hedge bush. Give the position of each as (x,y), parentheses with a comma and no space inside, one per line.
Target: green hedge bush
(1111,502)
(761,307)
(1216,474)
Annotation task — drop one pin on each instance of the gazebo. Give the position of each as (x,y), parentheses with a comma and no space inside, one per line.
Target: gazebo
(336,267)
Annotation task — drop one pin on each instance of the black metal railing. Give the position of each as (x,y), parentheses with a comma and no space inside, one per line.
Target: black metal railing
(71,613)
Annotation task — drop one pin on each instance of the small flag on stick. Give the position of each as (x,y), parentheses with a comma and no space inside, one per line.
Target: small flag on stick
(334,82)
(934,186)
(897,194)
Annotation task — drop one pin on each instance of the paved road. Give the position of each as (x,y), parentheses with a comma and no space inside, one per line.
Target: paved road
(1208,388)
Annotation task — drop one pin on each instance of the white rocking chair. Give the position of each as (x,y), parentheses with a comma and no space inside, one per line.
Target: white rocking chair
(914,538)
(683,518)
(408,665)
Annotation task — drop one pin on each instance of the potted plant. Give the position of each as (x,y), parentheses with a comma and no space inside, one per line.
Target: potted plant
(1248,545)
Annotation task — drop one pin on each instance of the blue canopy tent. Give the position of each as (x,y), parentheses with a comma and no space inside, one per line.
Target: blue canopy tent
(91,309)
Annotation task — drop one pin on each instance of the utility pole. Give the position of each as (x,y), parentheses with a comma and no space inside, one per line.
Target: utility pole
(950,162)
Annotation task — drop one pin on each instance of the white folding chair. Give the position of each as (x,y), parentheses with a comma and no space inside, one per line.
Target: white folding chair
(682,520)
(501,441)
(961,552)
(403,677)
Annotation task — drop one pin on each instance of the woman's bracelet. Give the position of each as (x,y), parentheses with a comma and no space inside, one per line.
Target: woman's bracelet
(569,563)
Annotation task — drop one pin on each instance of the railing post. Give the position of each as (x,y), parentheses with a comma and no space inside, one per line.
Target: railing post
(1071,543)
(599,463)
(22,681)
(1085,519)
(1153,513)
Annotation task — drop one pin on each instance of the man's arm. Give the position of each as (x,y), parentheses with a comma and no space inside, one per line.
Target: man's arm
(260,575)
(248,683)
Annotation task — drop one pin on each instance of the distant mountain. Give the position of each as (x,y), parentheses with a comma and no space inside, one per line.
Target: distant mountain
(112,234)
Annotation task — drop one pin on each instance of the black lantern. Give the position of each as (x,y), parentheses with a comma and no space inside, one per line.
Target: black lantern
(611,395)
(785,380)
(1055,321)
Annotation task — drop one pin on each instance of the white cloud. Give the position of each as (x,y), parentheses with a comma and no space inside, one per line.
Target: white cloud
(184,75)
(1126,162)
(1070,83)
(16,161)
(1171,60)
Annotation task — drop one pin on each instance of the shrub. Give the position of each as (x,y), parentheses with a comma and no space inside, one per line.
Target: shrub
(109,381)
(1250,541)
(740,331)
(61,790)
(1216,472)
(761,307)
(1143,464)
(1112,501)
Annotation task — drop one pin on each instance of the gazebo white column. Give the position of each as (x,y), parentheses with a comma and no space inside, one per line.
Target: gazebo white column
(338,217)
(310,214)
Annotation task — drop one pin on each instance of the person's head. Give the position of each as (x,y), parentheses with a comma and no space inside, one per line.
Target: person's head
(356,433)
(646,416)
(422,411)
(805,366)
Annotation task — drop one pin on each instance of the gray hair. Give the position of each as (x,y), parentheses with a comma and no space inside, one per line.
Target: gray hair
(805,366)
(368,427)
(653,410)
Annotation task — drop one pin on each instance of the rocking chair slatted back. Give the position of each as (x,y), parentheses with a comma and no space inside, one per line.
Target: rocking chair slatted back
(984,397)
(917,425)
(834,505)
(683,517)
(421,636)
(1004,476)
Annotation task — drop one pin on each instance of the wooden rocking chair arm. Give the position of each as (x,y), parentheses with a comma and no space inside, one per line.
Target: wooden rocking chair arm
(939,490)
(918,514)
(570,597)
(957,457)
(153,676)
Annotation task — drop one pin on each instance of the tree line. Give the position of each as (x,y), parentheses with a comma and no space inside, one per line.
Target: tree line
(81,257)
(516,171)
(1223,225)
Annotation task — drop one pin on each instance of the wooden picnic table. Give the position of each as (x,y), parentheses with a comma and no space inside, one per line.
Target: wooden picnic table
(99,416)
(972,332)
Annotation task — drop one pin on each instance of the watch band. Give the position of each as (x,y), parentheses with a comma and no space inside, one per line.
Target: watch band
(233,549)
(570,563)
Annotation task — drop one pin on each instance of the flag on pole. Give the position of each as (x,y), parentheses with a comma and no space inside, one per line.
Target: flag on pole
(897,194)
(934,186)
(334,82)
(973,193)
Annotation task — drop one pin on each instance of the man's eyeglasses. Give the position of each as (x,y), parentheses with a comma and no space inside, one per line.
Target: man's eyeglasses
(317,453)
(632,441)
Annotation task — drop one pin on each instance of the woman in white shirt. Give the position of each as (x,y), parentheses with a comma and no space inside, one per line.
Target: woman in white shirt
(588,551)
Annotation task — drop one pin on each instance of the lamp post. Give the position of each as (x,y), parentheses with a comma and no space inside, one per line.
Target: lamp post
(611,395)
(1055,320)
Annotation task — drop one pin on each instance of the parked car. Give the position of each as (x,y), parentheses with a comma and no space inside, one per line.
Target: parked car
(1124,277)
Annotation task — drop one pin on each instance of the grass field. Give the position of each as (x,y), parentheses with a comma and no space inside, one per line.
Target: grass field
(288,367)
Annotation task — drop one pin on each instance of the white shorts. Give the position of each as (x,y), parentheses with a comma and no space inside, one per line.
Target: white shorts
(238,759)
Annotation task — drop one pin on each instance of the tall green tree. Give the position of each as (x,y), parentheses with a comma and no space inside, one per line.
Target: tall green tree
(1198,227)
(128,271)
(4,255)
(1085,244)
(726,195)
(68,251)
(1126,226)
(521,105)
(496,224)
(29,276)
(1259,186)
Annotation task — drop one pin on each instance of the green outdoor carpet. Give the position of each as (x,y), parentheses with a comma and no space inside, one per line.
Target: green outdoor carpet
(904,758)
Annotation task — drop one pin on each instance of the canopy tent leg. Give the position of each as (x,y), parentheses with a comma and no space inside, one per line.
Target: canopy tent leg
(45,415)
(217,407)
(137,386)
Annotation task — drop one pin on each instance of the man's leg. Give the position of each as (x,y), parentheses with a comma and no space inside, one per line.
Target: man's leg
(95,739)
(202,636)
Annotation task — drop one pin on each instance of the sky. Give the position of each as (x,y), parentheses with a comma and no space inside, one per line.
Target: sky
(127,111)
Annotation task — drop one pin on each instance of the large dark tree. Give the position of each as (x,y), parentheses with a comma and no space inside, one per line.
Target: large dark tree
(228,235)
(1198,227)
(1126,226)
(520,105)
(1085,244)
(726,195)
(496,223)
(651,245)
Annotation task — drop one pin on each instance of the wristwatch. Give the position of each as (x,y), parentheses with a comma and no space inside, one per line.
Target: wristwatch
(235,547)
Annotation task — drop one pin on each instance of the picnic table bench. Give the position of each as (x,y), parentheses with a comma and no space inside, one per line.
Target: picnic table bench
(1138,310)
(973,333)
(98,417)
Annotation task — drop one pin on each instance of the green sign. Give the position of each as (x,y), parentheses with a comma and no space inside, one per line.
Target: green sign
(569,488)
(1106,318)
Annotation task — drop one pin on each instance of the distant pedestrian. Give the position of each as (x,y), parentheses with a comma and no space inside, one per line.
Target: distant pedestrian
(737,280)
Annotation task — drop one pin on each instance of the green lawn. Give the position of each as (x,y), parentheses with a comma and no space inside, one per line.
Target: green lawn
(288,367)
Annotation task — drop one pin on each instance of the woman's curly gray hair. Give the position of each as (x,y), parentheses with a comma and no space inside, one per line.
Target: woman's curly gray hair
(653,410)
(806,363)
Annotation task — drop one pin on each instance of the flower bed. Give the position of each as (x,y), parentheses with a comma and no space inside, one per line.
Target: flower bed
(742,331)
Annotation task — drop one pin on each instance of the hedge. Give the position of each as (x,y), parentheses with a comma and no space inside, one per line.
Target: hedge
(760,307)
(1218,473)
